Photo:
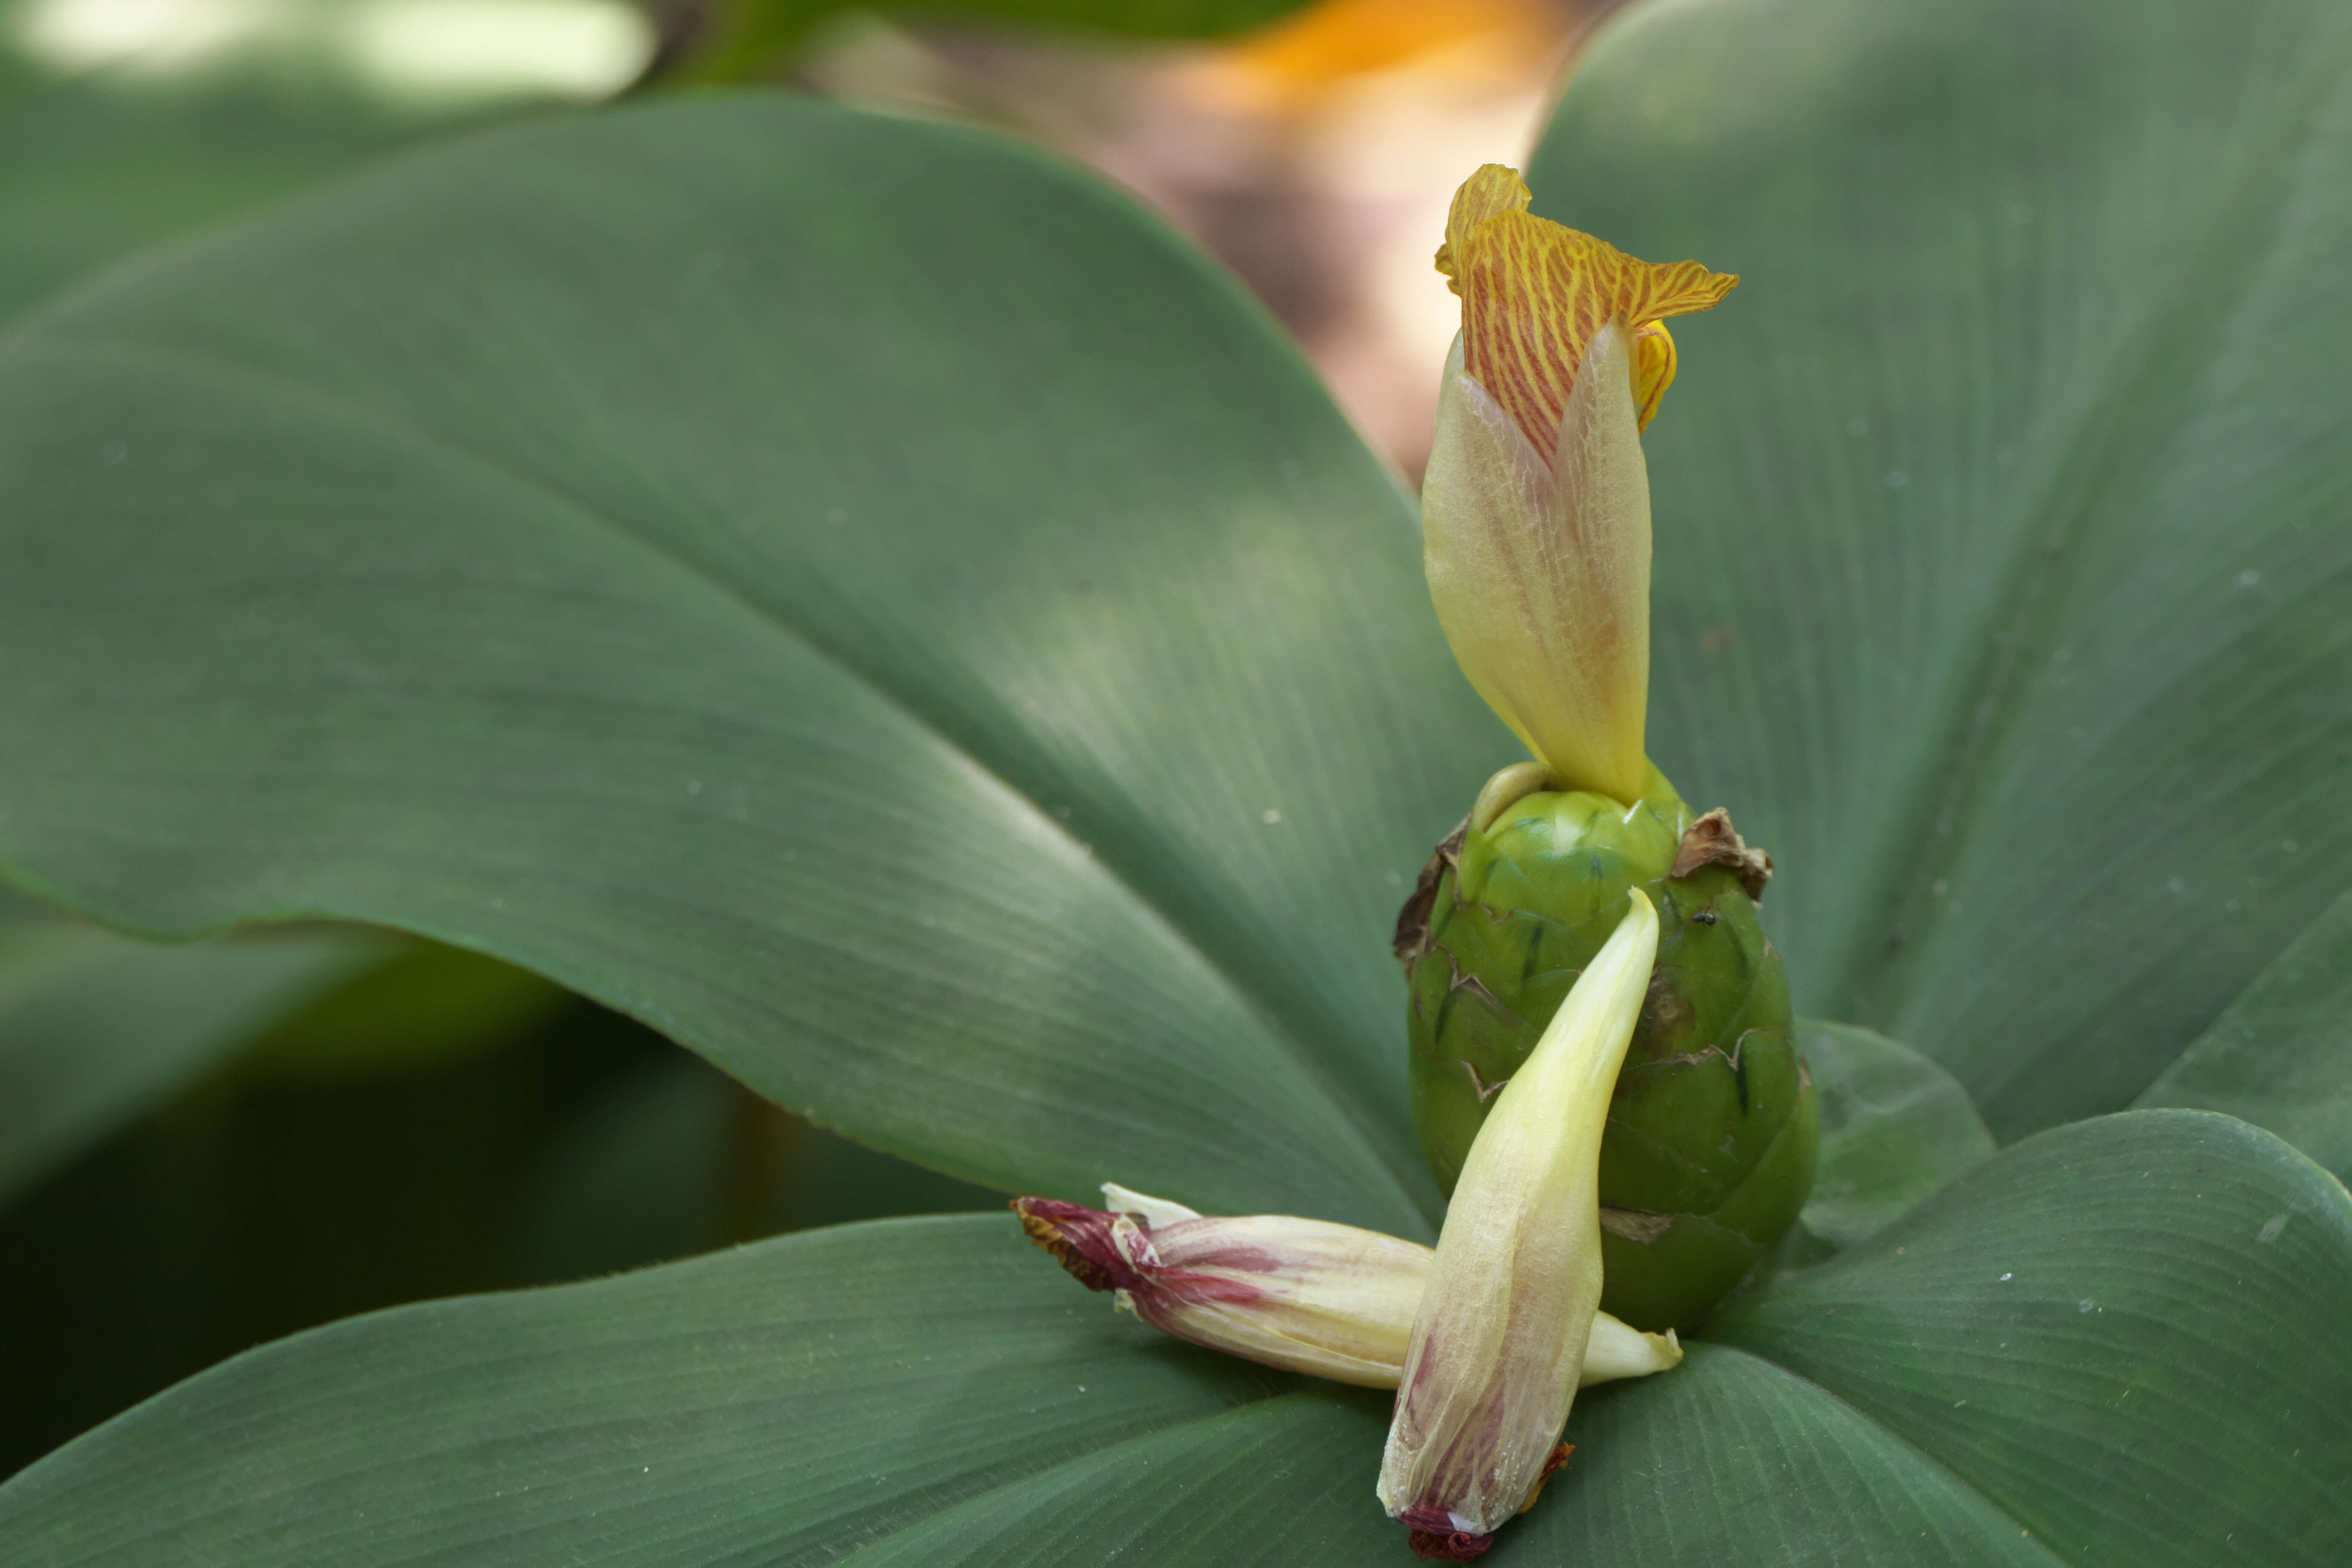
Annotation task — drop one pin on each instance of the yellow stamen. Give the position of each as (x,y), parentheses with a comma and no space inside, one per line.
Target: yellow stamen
(1654,369)
(1534,292)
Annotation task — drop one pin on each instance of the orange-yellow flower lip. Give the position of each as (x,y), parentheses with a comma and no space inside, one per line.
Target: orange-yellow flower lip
(1534,292)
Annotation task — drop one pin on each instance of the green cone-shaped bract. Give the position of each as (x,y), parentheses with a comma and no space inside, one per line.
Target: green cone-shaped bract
(1711,1136)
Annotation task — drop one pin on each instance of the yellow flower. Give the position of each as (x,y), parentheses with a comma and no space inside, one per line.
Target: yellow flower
(1535,510)
(1499,1342)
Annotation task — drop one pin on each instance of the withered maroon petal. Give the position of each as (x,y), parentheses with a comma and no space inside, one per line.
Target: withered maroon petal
(1081,1241)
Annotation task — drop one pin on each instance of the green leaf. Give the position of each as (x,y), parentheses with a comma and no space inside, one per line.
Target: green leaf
(89,170)
(1288,1481)
(1895,1130)
(1730,1461)
(782,1401)
(2079,1327)
(935,1392)
(980,693)
(760,702)
(688,551)
(96,1029)
(2001,512)
(2281,1055)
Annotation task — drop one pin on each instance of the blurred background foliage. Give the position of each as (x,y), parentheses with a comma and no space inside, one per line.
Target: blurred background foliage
(205,1147)
(123,122)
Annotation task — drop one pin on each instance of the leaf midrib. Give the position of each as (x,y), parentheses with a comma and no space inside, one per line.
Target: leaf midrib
(1361,1119)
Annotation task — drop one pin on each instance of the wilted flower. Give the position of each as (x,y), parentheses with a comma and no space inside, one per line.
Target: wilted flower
(1301,1294)
(1499,1344)
(1535,510)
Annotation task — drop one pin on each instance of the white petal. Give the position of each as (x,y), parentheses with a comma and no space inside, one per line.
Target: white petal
(1155,1211)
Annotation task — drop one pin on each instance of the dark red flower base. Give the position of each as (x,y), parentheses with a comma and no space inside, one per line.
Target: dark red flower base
(1434,1539)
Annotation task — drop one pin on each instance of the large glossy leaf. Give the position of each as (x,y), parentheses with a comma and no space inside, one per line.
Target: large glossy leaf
(779,1402)
(2281,1055)
(2106,1332)
(2100,1346)
(852,593)
(93,163)
(2004,512)
(862,598)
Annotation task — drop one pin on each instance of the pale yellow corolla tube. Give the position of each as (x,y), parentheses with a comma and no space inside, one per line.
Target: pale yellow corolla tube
(1535,506)
(1499,1341)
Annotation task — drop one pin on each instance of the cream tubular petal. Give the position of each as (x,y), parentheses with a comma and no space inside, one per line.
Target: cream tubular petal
(1540,574)
(1498,1343)
(1617,1349)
